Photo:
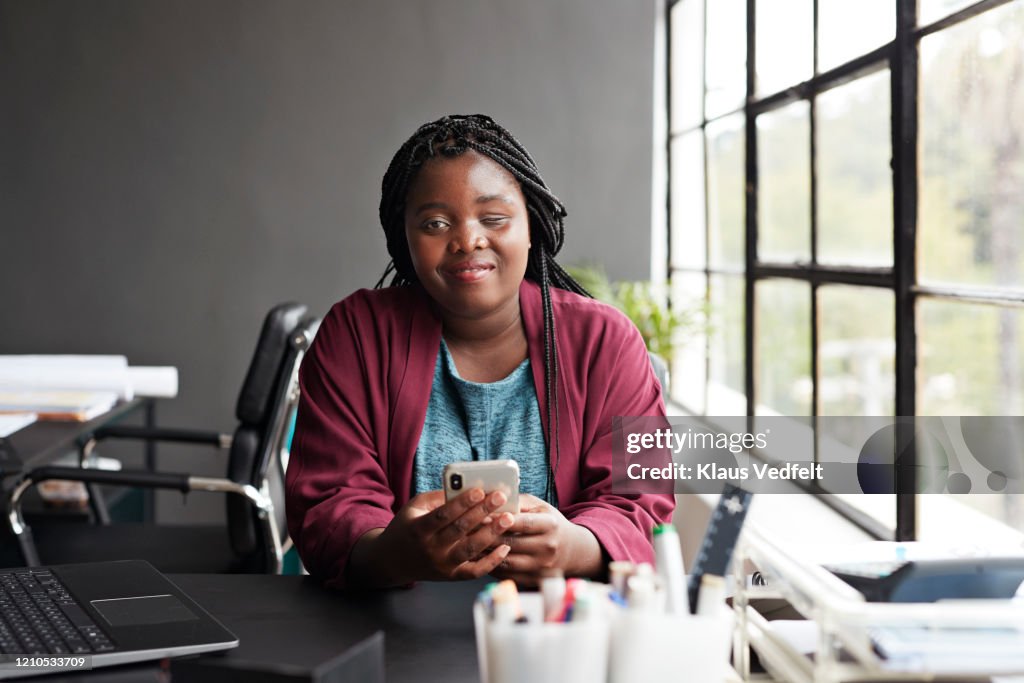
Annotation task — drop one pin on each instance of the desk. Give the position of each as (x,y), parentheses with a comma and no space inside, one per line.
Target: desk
(292,621)
(428,629)
(43,442)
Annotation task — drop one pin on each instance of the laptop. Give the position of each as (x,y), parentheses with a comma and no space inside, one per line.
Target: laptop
(82,616)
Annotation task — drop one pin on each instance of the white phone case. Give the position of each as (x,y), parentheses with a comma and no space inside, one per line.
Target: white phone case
(490,475)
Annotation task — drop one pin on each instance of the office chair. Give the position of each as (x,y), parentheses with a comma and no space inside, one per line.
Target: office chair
(660,366)
(251,539)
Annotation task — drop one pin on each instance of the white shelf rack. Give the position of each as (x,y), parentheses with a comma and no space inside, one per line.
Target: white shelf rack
(843,618)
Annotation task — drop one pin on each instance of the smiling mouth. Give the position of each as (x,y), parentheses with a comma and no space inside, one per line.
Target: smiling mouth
(469,272)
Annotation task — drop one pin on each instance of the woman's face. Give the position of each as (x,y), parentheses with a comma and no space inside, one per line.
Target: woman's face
(468,232)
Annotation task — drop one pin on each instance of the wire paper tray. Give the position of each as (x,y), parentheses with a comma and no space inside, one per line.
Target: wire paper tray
(845,623)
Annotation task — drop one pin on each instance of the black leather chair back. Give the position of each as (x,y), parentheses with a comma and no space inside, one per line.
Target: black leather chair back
(262,414)
(660,366)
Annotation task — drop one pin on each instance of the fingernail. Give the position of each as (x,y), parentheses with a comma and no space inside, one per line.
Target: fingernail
(505,521)
(487,520)
(504,550)
(476,495)
(498,498)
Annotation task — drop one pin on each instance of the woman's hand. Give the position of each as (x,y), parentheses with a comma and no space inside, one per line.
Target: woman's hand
(542,538)
(430,539)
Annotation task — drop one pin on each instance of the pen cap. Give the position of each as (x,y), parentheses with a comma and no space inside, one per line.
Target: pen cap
(505,599)
(711,599)
(552,589)
(668,561)
(619,572)
(641,593)
(669,529)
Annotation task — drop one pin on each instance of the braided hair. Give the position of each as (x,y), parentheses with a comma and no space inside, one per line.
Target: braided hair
(449,137)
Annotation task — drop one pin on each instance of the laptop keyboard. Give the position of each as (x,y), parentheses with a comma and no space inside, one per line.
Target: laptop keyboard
(38,616)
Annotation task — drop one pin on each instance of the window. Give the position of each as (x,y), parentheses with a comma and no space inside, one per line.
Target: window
(845,204)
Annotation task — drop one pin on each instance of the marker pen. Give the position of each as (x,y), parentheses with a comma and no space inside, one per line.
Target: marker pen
(506,602)
(552,590)
(668,560)
(620,571)
(711,599)
(641,593)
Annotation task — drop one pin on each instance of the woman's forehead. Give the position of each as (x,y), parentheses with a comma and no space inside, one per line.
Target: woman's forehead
(469,171)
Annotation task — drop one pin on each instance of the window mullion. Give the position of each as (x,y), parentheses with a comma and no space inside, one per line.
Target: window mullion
(904,70)
(750,223)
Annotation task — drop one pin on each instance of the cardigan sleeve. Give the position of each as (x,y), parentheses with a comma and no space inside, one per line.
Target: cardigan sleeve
(621,383)
(337,489)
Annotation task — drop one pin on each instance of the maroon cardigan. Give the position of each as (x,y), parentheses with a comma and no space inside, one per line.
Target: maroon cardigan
(365,385)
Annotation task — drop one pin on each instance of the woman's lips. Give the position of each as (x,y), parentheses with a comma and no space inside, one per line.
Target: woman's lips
(469,271)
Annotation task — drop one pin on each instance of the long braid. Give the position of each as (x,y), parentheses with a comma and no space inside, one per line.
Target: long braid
(451,136)
(550,373)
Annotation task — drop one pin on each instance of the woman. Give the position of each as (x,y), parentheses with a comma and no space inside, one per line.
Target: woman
(446,364)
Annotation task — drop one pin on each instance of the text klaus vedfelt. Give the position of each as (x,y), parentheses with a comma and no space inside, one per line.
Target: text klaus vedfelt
(735,443)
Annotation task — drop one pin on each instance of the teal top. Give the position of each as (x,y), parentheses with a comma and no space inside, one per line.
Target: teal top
(493,421)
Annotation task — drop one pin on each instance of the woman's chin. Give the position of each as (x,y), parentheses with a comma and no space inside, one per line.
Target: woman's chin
(473,303)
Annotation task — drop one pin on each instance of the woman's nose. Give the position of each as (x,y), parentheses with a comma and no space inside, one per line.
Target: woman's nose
(467,237)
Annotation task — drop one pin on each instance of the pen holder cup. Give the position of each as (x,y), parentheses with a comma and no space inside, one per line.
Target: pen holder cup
(658,647)
(540,652)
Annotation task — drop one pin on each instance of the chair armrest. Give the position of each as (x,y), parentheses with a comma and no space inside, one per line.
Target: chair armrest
(165,480)
(163,434)
(139,478)
(143,479)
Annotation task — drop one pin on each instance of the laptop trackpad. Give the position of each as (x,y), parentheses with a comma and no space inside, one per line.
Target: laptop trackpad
(147,609)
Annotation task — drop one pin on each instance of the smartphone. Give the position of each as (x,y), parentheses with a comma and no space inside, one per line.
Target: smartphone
(489,475)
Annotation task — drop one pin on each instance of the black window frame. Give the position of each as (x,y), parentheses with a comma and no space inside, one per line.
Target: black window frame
(901,57)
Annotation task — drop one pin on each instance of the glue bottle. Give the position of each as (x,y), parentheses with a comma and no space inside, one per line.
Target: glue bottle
(668,560)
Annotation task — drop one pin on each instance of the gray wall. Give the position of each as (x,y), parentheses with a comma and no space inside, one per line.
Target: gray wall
(169,170)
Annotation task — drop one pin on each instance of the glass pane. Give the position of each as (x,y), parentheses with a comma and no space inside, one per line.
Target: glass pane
(689,361)
(972,159)
(687,188)
(855,180)
(725,364)
(856,351)
(970,359)
(849,29)
(785,44)
(726,196)
(687,65)
(784,184)
(783,346)
(881,507)
(933,10)
(726,70)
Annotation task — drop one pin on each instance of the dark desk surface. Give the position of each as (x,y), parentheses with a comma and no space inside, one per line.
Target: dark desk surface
(41,442)
(428,629)
(287,622)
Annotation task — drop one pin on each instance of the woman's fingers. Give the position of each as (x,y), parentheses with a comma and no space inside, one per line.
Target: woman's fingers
(476,568)
(529,523)
(519,563)
(477,543)
(444,515)
(471,519)
(541,545)
(531,503)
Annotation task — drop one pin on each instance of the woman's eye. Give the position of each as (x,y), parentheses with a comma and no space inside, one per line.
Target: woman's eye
(495,221)
(435,225)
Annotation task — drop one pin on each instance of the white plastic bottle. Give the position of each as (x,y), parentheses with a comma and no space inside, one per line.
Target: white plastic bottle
(668,561)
